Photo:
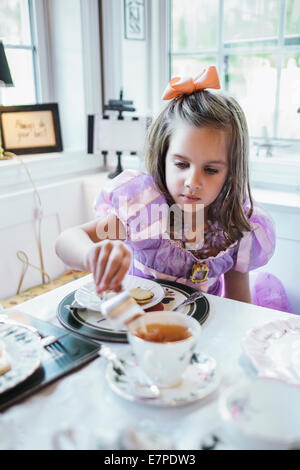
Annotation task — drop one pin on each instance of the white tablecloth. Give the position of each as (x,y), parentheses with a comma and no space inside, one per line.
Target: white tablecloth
(84,401)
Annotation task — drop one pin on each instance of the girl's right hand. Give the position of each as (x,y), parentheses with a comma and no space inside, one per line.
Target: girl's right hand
(109,261)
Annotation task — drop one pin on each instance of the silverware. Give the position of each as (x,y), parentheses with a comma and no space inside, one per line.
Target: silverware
(75,306)
(142,389)
(192,298)
(49,342)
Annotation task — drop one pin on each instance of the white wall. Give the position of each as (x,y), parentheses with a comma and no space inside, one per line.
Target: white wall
(285,262)
(19,226)
(62,182)
(136,88)
(129,63)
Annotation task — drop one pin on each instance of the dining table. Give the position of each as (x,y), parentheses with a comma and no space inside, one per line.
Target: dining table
(80,410)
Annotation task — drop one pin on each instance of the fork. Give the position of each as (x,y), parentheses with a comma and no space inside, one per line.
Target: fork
(49,342)
(75,305)
(192,298)
(45,340)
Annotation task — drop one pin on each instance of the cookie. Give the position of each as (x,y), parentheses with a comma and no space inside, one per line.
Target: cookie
(141,296)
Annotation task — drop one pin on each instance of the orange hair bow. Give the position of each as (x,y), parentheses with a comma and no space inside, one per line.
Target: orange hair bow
(178,86)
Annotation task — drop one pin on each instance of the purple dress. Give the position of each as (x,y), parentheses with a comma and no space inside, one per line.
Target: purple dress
(133,195)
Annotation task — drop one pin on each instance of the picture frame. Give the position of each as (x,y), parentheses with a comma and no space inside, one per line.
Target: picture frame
(134,20)
(28,129)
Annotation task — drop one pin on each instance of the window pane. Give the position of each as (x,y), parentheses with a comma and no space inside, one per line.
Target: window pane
(190,65)
(289,119)
(14,22)
(194,25)
(292,25)
(252,81)
(21,68)
(251,19)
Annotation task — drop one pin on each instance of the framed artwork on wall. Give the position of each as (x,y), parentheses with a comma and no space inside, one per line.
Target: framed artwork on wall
(134,19)
(31,128)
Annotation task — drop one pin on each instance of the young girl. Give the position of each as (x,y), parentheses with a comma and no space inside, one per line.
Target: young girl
(197,155)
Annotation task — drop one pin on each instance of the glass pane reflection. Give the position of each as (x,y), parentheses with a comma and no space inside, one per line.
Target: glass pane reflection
(14,22)
(289,118)
(190,65)
(21,68)
(252,81)
(194,25)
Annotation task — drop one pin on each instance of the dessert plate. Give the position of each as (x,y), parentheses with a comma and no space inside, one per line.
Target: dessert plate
(24,351)
(274,349)
(90,323)
(199,380)
(87,296)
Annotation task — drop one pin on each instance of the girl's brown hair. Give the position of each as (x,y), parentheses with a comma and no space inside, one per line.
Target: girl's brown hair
(201,109)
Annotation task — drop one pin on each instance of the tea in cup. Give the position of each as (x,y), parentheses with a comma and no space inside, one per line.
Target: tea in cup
(163,343)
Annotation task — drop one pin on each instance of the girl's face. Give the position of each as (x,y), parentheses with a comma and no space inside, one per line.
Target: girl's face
(196,165)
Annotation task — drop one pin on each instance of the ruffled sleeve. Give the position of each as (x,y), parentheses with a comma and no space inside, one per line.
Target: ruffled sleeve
(132,196)
(107,200)
(256,247)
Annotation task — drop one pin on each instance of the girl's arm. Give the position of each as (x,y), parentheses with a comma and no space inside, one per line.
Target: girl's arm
(97,247)
(237,286)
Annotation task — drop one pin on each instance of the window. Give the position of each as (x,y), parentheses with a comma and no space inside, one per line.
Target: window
(16,34)
(256,47)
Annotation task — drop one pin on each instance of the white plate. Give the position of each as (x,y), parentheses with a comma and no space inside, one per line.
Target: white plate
(263,415)
(199,380)
(24,350)
(274,349)
(87,296)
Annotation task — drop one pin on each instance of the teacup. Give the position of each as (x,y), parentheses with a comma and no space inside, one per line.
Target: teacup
(163,343)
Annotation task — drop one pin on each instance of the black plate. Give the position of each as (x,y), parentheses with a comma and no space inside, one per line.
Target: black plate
(87,324)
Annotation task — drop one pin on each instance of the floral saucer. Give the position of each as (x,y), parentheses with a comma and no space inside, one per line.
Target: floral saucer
(199,380)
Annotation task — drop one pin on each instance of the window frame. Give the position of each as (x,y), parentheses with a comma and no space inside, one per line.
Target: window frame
(279,172)
(39,48)
(221,51)
(41,38)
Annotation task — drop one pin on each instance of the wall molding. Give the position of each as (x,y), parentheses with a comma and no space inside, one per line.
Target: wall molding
(46,169)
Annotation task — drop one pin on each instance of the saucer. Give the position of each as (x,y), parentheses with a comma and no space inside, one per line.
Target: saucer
(199,380)
(262,415)
(274,350)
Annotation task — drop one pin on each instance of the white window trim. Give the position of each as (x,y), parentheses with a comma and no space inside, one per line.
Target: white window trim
(91,56)
(158,59)
(112,17)
(44,68)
